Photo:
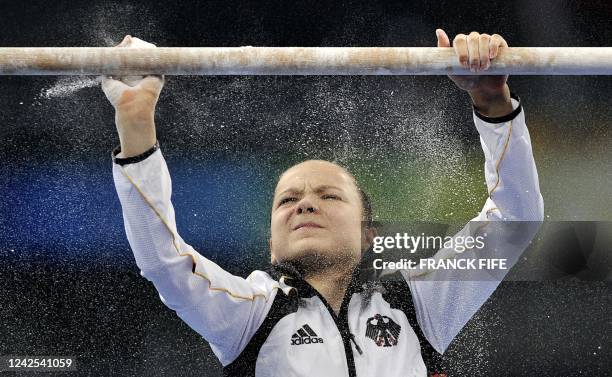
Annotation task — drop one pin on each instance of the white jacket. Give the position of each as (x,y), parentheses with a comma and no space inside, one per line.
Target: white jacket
(275,324)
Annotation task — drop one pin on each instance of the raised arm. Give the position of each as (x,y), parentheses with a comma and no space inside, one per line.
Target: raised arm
(445,300)
(225,309)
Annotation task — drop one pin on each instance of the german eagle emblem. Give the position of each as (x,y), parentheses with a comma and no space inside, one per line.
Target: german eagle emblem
(383,331)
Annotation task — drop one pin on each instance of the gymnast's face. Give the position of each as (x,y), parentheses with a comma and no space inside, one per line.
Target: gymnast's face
(316,215)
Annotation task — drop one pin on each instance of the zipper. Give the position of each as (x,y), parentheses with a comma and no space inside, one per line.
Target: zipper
(341,322)
(342,326)
(356,345)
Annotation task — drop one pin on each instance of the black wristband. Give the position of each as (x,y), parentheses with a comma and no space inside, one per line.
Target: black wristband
(133,159)
(503,118)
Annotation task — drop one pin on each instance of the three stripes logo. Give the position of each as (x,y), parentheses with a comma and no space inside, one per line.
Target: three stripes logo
(305,335)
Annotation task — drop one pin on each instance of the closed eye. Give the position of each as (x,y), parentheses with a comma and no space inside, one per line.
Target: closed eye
(330,197)
(287,200)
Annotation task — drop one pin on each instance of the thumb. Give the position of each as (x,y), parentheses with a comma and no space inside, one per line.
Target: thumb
(443,40)
(153,83)
(112,88)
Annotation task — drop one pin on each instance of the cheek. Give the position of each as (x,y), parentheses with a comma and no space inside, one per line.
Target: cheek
(278,223)
(347,221)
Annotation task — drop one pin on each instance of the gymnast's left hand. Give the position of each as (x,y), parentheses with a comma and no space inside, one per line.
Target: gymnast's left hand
(475,52)
(134,99)
(133,95)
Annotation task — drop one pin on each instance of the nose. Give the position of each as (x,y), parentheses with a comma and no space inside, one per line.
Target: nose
(306,206)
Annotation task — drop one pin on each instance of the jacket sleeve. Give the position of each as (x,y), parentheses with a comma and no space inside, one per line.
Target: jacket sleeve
(445,300)
(225,309)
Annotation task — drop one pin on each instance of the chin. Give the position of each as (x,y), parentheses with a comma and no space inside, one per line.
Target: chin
(309,246)
(315,254)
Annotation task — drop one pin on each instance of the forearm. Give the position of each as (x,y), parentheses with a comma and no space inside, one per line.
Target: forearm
(494,103)
(514,194)
(201,292)
(136,132)
(510,170)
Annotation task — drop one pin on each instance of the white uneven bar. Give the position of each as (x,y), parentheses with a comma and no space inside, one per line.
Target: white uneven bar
(296,61)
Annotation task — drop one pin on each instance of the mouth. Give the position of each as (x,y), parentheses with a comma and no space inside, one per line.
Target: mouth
(309,225)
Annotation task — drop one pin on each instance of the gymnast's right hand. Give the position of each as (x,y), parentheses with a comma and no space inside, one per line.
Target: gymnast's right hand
(134,99)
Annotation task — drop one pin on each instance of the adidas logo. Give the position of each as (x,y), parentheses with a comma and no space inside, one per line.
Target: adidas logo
(305,335)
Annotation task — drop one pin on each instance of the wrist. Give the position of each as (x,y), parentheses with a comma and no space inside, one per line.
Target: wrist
(134,117)
(118,156)
(131,147)
(492,103)
(136,134)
